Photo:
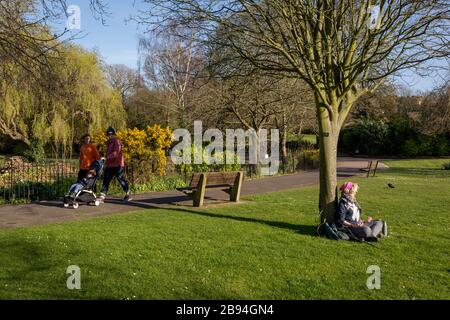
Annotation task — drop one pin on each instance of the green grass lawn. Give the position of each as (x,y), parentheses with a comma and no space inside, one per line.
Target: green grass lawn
(265,248)
(417,164)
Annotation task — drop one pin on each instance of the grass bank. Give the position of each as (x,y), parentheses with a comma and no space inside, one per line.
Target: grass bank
(265,248)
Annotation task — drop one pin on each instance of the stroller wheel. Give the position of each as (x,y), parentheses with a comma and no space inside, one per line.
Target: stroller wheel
(75,205)
(66,205)
(97,203)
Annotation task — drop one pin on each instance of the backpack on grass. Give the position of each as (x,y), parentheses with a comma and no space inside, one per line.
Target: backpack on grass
(331,232)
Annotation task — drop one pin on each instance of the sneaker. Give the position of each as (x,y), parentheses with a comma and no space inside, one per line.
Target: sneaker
(127,197)
(371,239)
(101,198)
(385,229)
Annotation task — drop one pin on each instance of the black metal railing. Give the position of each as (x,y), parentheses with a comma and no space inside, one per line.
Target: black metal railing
(21,180)
(35,181)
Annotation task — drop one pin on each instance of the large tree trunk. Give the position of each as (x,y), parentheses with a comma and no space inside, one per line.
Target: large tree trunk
(328,139)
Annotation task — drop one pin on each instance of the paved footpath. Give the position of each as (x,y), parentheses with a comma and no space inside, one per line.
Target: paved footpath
(47,212)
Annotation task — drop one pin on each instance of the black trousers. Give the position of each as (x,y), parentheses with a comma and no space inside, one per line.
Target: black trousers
(110,173)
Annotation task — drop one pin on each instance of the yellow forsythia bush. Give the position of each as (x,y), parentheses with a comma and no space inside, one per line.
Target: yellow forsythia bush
(159,139)
(148,144)
(100,140)
(134,144)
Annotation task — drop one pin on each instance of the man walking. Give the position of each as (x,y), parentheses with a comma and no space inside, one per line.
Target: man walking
(115,165)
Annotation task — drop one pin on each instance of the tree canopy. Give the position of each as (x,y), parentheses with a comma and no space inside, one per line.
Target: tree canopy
(61,105)
(341,49)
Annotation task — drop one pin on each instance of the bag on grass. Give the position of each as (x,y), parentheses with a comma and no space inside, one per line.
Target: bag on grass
(328,231)
(331,232)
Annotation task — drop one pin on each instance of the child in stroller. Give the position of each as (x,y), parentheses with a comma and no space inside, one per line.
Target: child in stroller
(83,191)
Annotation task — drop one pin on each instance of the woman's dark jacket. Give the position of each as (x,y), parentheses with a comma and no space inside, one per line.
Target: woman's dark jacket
(345,211)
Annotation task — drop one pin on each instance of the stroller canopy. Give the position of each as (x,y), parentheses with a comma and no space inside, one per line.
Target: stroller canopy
(98,167)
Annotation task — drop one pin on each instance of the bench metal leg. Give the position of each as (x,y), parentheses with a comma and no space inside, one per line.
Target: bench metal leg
(376,167)
(236,189)
(370,168)
(199,194)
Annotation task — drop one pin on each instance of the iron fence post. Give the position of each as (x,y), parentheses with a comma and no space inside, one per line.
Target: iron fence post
(13,191)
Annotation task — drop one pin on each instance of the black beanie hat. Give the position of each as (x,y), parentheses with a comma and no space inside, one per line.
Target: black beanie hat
(110,130)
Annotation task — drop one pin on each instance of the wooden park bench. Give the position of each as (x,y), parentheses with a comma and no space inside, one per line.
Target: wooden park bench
(230,182)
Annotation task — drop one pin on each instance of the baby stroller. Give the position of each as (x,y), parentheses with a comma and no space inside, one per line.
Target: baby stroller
(84,190)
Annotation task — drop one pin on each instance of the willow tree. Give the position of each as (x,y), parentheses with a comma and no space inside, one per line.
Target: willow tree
(341,48)
(81,98)
(70,99)
(25,39)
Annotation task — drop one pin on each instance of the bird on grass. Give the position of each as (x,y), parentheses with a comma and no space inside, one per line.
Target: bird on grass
(390,185)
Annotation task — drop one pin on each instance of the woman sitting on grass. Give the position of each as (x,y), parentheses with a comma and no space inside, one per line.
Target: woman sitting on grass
(349,216)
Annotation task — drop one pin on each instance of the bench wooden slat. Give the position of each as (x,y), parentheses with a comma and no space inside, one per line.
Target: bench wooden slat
(221,179)
(215,178)
(214,186)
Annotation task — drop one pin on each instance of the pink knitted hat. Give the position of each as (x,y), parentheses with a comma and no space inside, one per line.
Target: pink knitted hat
(345,188)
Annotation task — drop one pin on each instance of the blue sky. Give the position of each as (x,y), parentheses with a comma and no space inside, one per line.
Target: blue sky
(117,41)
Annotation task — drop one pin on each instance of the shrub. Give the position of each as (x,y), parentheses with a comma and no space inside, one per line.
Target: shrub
(302,160)
(310,159)
(410,148)
(158,137)
(441,146)
(149,144)
(207,164)
(36,151)
(25,191)
(300,145)
(367,137)
(158,140)
(153,183)
(395,137)
(19,148)
(100,140)
(133,144)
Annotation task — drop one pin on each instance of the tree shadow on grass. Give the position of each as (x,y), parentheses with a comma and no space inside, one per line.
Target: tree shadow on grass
(299,228)
(178,204)
(20,258)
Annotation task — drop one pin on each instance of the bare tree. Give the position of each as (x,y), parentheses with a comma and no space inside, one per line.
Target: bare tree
(255,102)
(294,114)
(379,104)
(170,65)
(341,49)
(252,102)
(146,107)
(435,112)
(123,79)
